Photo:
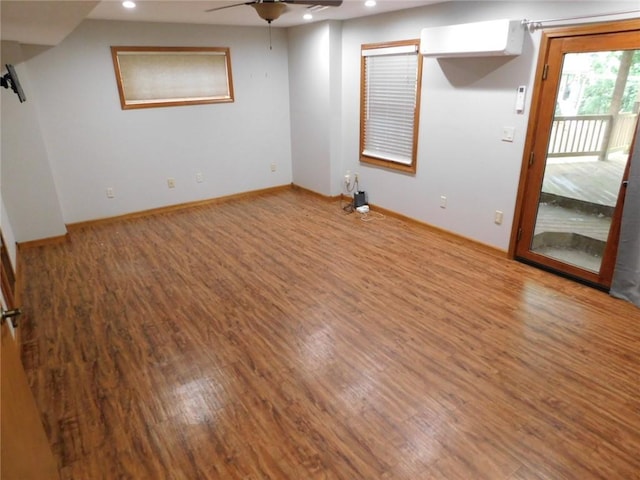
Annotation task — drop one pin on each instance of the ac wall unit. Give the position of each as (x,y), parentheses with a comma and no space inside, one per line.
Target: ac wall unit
(479,39)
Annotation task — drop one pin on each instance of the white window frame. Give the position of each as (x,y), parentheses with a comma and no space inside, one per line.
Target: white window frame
(391,78)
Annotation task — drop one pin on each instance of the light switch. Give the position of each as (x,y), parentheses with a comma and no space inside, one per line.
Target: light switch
(508,133)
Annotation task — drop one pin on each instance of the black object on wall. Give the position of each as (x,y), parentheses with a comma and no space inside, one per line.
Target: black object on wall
(10,80)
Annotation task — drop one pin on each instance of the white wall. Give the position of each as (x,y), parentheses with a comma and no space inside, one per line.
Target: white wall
(308,84)
(315,83)
(335,105)
(93,144)
(309,92)
(28,191)
(465,104)
(7,233)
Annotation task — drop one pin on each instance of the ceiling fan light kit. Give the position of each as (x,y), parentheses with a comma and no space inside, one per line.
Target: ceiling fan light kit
(269,11)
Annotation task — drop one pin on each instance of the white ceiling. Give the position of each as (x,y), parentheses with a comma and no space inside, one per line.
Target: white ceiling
(41,23)
(48,22)
(187,11)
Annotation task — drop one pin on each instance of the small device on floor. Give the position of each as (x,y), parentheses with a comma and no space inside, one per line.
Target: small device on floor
(359,199)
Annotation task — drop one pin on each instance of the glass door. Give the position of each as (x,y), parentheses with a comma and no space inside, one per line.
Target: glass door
(585,133)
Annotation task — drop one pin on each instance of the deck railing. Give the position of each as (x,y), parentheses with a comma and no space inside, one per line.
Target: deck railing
(622,132)
(591,135)
(576,136)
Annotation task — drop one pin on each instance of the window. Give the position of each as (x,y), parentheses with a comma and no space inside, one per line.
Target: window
(163,76)
(390,104)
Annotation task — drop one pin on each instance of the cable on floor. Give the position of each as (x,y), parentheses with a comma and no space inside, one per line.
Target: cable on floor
(371,216)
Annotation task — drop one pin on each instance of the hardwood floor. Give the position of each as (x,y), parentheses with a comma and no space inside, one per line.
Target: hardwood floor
(278,338)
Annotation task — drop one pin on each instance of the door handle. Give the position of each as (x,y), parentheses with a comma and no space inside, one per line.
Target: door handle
(12,313)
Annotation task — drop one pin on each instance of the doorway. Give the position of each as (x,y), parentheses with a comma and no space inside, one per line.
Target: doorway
(579,141)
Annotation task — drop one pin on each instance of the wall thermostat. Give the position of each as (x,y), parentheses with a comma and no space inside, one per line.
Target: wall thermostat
(520,96)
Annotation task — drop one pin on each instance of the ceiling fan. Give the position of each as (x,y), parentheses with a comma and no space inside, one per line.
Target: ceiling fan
(271,10)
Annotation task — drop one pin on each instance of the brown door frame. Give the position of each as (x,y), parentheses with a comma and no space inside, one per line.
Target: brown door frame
(535,151)
(7,275)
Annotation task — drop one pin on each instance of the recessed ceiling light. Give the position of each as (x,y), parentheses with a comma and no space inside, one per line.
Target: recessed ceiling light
(370,3)
(307,16)
(129,4)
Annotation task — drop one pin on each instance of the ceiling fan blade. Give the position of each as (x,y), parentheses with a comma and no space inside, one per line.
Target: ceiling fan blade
(230,6)
(322,3)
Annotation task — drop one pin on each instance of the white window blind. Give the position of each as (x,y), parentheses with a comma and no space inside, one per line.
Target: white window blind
(164,77)
(171,76)
(390,97)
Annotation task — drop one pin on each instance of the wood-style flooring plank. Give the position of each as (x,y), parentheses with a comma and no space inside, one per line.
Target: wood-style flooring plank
(276,337)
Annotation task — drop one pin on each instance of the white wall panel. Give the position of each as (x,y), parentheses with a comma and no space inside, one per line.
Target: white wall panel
(466,102)
(95,145)
(29,195)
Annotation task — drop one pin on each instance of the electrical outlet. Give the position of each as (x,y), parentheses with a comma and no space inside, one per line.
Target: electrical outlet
(273,166)
(110,193)
(347,178)
(443,201)
(498,217)
(171,182)
(199,177)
